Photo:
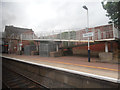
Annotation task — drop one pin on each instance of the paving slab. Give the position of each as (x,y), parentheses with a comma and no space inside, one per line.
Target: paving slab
(74,63)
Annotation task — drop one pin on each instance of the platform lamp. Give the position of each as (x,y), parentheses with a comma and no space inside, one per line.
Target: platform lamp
(87,31)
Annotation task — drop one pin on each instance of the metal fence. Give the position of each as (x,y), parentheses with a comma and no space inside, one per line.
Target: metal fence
(46,48)
(28,49)
(101,32)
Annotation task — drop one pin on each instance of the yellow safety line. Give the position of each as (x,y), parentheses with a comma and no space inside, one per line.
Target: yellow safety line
(80,65)
(83,65)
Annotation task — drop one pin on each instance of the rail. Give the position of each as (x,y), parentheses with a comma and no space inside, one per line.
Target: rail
(12,79)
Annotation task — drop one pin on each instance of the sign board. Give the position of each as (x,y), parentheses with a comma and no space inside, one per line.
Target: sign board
(90,34)
(20,44)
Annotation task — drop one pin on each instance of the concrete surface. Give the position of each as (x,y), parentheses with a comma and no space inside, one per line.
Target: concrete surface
(54,78)
(106,56)
(74,63)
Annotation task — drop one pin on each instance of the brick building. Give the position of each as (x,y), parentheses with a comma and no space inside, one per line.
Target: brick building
(100,32)
(16,38)
(106,44)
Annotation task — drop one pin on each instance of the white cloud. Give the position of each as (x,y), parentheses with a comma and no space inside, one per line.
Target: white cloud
(45,15)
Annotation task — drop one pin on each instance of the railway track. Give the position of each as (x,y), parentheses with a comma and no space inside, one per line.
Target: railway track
(12,79)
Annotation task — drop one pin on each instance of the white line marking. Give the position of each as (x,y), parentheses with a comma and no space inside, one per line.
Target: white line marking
(71,71)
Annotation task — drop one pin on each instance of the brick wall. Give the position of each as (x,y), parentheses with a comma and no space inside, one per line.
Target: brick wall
(95,48)
(14,45)
(100,32)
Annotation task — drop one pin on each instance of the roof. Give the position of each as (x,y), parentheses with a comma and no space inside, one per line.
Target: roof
(64,40)
(108,25)
(9,30)
(12,28)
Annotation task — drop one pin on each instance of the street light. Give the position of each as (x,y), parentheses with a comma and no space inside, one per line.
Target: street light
(87,31)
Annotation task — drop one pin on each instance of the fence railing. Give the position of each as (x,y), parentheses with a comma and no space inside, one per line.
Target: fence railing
(78,35)
(72,35)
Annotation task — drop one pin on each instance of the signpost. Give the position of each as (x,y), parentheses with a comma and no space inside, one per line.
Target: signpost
(87,35)
(90,34)
(20,44)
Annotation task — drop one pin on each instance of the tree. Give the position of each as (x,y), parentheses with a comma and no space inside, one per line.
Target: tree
(112,9)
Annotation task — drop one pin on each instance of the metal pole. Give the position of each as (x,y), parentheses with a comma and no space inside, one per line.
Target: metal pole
(57,47)
(106,46)
(69,37)
(21,46)
(60,34)
(88,30)
(88,37)
(53,34)
(33,35)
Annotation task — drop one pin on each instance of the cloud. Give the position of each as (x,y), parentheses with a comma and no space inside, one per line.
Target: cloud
(49,15)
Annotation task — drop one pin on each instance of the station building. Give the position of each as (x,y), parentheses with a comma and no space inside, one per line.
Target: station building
(105,46)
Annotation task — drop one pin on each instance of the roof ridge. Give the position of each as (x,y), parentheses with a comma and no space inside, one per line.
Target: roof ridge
(20,28)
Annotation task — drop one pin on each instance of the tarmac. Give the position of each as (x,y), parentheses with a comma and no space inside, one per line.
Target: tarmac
(74,63)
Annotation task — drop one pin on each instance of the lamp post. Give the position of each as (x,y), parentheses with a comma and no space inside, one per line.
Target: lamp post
(87,31)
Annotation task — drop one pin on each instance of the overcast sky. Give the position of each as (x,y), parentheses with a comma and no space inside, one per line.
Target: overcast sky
(48,15)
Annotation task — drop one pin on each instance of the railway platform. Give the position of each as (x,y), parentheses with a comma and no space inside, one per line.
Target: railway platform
(73,63)
(58,72)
